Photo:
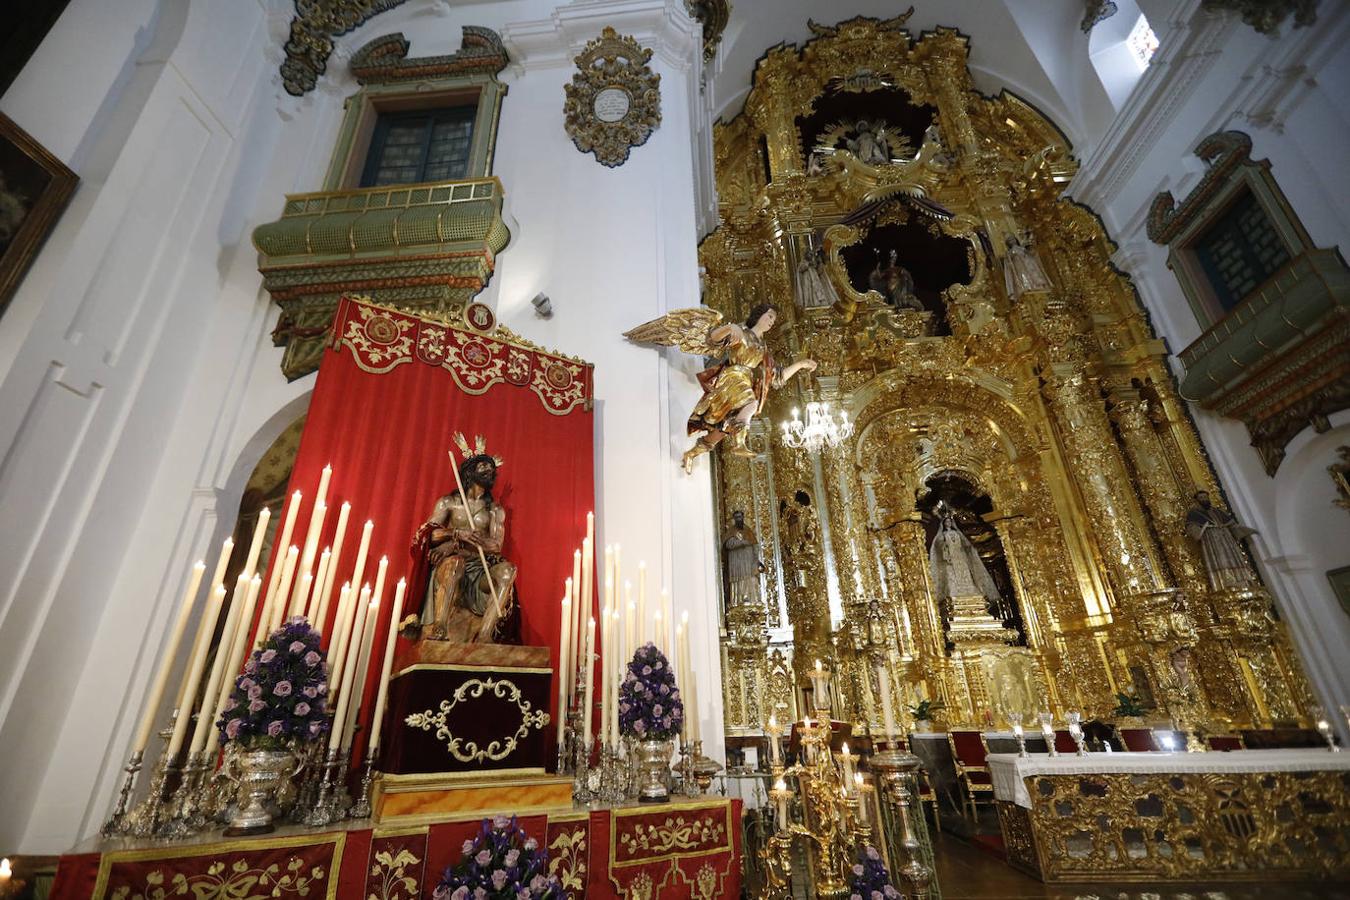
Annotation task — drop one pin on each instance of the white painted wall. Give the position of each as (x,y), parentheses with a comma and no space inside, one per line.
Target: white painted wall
(1288,93)
(139,385)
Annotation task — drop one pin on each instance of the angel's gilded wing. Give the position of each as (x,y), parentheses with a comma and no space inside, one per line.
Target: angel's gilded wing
(687,329)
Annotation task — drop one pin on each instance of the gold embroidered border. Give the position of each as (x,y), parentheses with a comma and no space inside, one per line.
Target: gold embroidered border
(728,847)
(167,854)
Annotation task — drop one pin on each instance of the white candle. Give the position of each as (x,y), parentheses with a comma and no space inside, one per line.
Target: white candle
(608,583)
(380,572)
(780,791)
(168,658)
(259,535)
(302,595)
(887,711)
(587,578)
(234,661)
(614,676)
(348,672)
(564,651)
(606,669)
(656,634)
(324,476)
(567,654)
(320,575)
(680,683)
(194,673)
(588,664)
(321,613)
(773,740)
(358,692)
(630,643)
(390,642)
(359,569)
(282,541)
(577,619)
(342,631)
(617,571)
(222,563)
(846,760)
(283,589)
(662,638)
(642,604)
(691,701)
(296,606)
(206,720)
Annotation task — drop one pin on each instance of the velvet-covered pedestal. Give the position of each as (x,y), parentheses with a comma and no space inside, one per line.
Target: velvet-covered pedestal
(465,721)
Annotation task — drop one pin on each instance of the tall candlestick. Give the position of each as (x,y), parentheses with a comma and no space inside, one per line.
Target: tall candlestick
(642,603)
(321,496)
(233,660)
(662,637)
(691,704)
(606,664)
(259,535)
(217,581)
(282,541)
(380,571)
(564,652)
(348,671)
(321,613)
(588,664)
(359,568)
(362,669)
(390,641)
(567,656)
(302,595)
(205,721)
(194,673)
(887,711)
(283,589)
(587,579)
(320,574)
(167,659)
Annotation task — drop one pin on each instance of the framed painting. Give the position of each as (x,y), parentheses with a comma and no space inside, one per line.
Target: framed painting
(34,187)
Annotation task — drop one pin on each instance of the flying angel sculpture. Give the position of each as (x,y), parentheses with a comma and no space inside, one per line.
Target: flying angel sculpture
(737,385)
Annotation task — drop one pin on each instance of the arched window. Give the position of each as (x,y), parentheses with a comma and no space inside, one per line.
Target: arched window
(1121,48)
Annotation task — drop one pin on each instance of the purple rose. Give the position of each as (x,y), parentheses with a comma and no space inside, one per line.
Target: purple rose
(256,706)
(665,689)
(538,883)
(250,667)
(254,691)
(302,709)
(531,844)
(246,683)
(461,893)
(315,727)
(297,647)
(467,848)
(498,880)
(268,656)
(646,670)
(511,856)
(310,692)
(872,853)
(657,710)
(524,895)
(483,858)
(312,658)
(274,728)
(232,729)
(283,689)
(876,895)
(231,704)
(857,869)
(500,822)
(479,894)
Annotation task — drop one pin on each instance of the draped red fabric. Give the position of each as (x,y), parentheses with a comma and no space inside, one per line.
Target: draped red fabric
(388,434)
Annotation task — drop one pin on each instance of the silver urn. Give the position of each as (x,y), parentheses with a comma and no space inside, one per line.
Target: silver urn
(654,762)
(259,776)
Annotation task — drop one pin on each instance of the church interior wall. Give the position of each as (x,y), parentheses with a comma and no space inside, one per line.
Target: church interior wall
(156,260)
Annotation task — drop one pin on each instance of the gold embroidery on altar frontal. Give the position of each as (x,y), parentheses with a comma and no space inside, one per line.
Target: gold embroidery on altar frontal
(685,826)
(567,858)
(236,884)
(1030,391)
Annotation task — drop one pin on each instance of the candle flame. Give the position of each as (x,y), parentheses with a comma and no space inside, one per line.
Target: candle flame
(817,665)
(780,785)
(845,748)
(857,778)
(684,617)
(5,870)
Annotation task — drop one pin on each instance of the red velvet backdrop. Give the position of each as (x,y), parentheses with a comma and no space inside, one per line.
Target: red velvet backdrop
(392,391)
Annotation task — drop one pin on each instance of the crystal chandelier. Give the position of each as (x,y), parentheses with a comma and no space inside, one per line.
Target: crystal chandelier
(819,431)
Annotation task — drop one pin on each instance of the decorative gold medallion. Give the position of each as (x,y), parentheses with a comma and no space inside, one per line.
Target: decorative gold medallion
(614,100)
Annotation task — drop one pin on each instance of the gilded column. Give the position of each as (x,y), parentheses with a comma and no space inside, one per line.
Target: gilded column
(803,554)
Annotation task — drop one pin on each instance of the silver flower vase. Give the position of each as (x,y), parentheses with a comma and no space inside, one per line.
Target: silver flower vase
(259,777)
(654,762)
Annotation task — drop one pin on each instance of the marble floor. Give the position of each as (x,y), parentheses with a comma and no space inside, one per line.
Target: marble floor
(966,872)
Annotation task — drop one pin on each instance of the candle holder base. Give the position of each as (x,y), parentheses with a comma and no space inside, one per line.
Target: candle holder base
(145,819)
(361,808)
(184,805)
(117,822)
(321,812)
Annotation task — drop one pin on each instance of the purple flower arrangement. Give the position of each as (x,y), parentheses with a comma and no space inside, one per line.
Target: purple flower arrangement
(279,700)
(871,881)
(650,708)
(501,863)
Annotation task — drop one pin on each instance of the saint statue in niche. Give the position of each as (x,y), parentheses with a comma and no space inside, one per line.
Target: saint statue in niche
(814,290)
(736,386)
(1022,271)
(800,530)
(956,568)
(1220,537)
(895,284)
(740,550)
(470,586)
(868,143)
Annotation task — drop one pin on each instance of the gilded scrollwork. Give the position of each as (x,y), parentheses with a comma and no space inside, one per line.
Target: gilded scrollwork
(474,689)
(614,99)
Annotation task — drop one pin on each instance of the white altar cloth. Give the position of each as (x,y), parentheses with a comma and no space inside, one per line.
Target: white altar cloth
(1007,770)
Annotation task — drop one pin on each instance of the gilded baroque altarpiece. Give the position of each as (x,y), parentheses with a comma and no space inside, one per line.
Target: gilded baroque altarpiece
(1054,409)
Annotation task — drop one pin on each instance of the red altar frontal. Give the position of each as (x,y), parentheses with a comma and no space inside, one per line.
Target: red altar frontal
(676,850)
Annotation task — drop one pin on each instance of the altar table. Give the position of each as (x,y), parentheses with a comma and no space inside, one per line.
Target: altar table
(684,850)
(1246,814)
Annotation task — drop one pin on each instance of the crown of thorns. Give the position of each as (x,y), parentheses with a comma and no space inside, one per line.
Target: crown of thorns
(479,448)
